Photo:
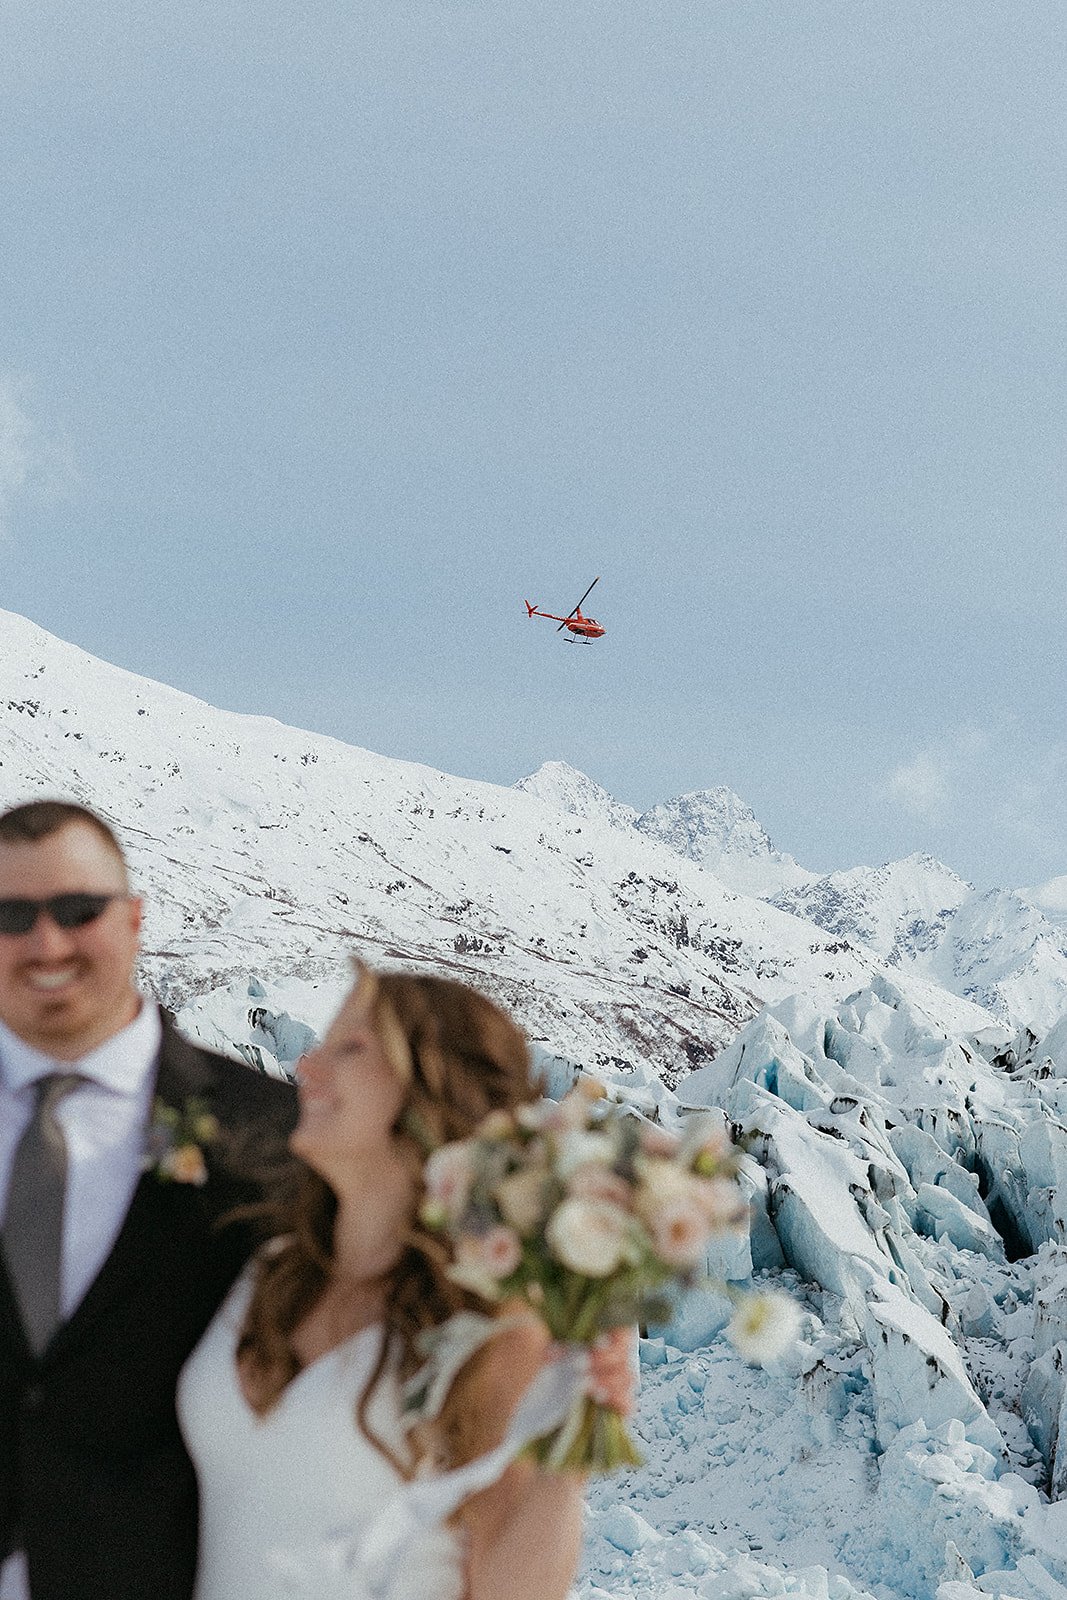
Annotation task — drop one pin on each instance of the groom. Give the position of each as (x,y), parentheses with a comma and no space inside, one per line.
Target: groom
(110,1269)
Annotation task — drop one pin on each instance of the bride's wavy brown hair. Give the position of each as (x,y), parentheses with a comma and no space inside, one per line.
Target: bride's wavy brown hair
(460,1057)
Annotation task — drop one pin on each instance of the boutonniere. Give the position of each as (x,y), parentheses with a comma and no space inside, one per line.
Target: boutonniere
(178,1138)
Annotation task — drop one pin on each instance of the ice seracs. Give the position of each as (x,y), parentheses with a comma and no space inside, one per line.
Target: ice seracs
(903,1166)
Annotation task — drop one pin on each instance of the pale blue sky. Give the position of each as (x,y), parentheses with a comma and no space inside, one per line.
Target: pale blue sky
(330,332)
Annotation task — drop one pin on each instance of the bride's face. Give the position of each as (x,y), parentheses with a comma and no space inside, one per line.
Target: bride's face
(350,1094)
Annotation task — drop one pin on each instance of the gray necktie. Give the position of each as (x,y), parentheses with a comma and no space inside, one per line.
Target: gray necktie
(33,1223)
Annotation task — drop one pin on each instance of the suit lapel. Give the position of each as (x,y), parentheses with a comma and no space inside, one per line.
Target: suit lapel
(155,1207)
(12,1332)
(183,1071)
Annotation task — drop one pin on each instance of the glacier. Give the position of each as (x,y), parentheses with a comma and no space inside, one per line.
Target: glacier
(908,1446)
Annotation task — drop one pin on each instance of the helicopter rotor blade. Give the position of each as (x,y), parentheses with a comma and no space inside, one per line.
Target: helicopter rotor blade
(580,604)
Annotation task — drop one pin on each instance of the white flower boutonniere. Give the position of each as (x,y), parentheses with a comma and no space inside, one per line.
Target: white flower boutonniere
(177,1140)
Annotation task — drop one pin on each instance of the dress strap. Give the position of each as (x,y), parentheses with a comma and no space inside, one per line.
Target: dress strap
(546,1405)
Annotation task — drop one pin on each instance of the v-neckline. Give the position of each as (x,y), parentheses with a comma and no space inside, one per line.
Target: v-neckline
(327,1358)
(335,1350)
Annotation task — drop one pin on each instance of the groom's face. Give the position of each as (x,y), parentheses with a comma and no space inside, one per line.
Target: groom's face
(66,990)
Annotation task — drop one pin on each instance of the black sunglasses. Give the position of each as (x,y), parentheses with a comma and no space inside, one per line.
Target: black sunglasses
(65,910)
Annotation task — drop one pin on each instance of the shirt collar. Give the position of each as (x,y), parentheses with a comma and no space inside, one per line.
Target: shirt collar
(121,1063)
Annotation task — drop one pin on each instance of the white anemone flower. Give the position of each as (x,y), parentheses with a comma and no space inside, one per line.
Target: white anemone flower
(764,1325)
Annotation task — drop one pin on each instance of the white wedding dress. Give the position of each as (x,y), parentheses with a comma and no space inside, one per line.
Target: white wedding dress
(288,1499)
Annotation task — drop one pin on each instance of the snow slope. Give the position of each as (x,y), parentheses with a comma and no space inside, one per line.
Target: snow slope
(266,853)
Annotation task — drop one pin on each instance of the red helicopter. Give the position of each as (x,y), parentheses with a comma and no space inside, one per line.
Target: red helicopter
(576,624)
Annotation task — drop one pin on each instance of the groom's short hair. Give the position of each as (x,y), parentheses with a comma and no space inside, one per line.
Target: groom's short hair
(40,819)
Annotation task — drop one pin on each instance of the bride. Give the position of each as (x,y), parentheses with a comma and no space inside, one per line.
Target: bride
(291,1403)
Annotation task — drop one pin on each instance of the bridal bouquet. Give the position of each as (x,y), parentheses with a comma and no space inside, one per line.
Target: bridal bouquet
(594,1219)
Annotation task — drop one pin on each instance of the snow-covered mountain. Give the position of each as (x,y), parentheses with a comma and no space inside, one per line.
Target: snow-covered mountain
(996,947)
(715,828)
(1005,950)
(266,853)
(566,789)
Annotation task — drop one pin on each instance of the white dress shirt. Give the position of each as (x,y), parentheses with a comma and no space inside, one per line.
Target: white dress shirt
(104,1121)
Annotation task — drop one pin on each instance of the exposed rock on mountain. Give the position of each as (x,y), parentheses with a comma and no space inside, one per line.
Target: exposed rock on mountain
(715,828)
(993,947)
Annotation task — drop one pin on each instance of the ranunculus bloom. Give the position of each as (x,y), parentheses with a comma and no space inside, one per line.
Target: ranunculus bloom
(657,1141)
(521,1198)
(576,1148)
(660,1182)
(589,1236)
(483,1259)
(593,1181)
(679,1232)
(448,1177)
(722,1202)
(501,1252)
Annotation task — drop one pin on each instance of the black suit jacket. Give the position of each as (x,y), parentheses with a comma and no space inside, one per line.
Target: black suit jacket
(95,1482)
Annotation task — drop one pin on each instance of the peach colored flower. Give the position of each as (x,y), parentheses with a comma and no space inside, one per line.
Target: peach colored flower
(498,1251)
(186,1164)
(589,1236)
(593,1181)
(483,1259)
(657,1141)
(448,1177)
(679,1232)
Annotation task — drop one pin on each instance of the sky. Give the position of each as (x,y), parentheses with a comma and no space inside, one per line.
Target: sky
(330,333)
